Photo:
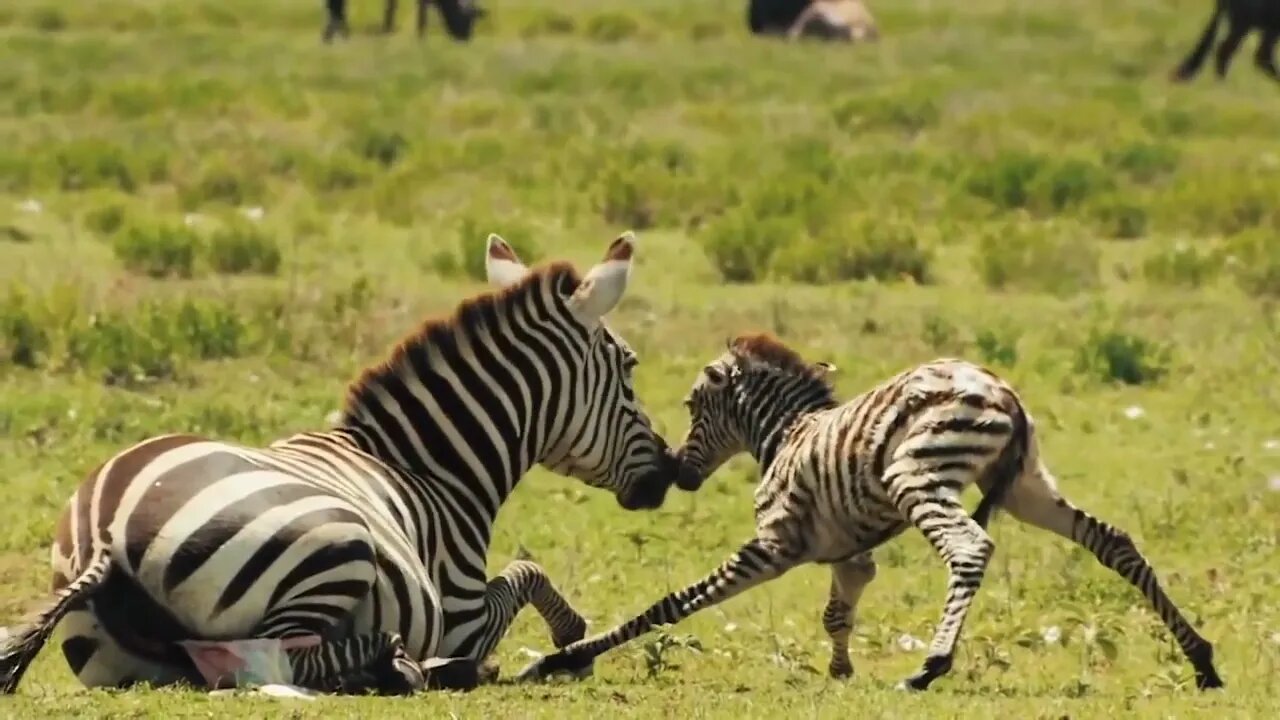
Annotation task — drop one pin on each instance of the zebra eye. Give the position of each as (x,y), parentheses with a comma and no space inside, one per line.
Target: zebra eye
(630,363)
(715,375)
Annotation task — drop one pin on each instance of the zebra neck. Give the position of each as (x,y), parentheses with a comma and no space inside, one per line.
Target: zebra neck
(774,409)
(481,478)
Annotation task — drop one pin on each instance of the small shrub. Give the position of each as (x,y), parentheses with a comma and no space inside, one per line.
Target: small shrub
(611,27)
(243,248)
(910,114)
(1254,260)
(1116,356)
(48,20)
(87,164)
(1121,219)
(998,346)
(381,145)
(1040,258)
(862,249)
(1144,162)
(1183,264)
(124,349)
(105,219)
(625,201)
(548,22)
(206,330)
(1064,185)
(158,250)
(703,30)
(220,182)
(1006,180)
(24,341)
(741,246)
(940,334)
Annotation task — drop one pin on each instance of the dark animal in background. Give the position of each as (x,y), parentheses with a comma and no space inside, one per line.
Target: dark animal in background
(1243,17)
(459,17)
(844,20)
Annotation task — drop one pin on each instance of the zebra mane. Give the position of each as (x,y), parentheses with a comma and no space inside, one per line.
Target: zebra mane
(768,350)
(467,319)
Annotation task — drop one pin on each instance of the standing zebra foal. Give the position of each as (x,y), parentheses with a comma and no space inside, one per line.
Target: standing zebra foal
(362,548)
(841,479)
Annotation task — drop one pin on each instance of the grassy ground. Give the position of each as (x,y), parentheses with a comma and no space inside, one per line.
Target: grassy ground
(209,222)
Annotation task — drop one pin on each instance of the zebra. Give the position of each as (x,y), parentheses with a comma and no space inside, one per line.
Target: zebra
(372,535)
(1243,16)
(460,17)
(841,479)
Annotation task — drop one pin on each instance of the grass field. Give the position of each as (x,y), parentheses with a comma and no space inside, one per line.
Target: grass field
(209,222)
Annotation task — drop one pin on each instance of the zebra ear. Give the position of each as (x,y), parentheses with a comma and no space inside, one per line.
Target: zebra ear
(501,263)
(603,285)
(824,369)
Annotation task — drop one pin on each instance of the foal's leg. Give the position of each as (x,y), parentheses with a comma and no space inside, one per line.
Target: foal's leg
(961,543)
(1035,499)
(756,562)
(1265,56)
(848,579)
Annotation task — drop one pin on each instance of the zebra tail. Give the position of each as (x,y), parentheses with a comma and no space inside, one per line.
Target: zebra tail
(1191,65)
(1006,469)
(20,645)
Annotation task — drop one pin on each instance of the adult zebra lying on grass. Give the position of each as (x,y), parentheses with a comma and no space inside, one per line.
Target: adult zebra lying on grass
(1243,17)
(373,535)
(841,479)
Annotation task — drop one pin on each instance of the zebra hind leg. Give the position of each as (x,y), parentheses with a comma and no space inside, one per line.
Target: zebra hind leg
(848,579)
(966,549)
(1034,499)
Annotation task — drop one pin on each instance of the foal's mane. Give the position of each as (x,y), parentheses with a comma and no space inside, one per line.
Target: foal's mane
(767,349)
(467,319)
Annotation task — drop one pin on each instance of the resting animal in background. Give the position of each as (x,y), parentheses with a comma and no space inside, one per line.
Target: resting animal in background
(1243,16)
(840,479)
(846,20)
(459,17)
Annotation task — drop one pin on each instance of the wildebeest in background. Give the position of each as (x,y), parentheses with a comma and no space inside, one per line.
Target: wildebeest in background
(1243,17)
(846,20)
(459,17)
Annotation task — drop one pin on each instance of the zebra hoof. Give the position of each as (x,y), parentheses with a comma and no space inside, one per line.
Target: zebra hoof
(558,664)
(452,674)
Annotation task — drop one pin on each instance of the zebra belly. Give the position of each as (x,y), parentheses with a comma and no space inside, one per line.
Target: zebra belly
(839,535)
(250,553)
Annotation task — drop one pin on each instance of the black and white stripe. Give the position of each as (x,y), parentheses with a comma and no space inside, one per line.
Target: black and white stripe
(372,535)
(841,479)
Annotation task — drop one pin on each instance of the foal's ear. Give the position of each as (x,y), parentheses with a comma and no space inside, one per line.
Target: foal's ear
(824,369)
(603,285)
(501,263)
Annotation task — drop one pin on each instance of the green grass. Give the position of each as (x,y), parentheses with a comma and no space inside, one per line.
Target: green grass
(1012,182)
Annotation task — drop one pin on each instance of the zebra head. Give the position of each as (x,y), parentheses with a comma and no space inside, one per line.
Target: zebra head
(744,400)
(602,436)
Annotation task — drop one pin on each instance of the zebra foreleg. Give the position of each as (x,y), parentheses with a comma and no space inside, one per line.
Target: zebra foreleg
(848,579)
(521,583)
(756,562)
(360,664)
